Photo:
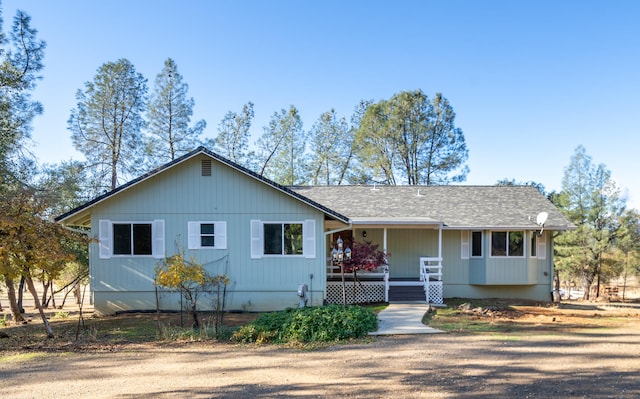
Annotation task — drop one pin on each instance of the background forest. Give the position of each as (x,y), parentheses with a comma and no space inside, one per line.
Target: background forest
(125,126)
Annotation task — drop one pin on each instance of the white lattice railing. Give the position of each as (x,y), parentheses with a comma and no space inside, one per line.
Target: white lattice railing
(431,277)
(365,291)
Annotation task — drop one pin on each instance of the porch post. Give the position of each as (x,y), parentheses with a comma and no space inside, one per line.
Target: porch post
(440,241)
(384,241)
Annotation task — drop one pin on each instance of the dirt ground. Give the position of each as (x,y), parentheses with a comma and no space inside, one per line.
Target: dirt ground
(572,351)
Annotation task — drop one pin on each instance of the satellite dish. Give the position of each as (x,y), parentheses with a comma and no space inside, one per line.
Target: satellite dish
(541,219)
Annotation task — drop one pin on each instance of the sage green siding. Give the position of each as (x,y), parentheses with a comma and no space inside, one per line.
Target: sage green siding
(181,194)
(406,246)
(484,277)
(496,277)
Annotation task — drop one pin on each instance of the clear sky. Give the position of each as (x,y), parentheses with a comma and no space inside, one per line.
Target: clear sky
(528,80)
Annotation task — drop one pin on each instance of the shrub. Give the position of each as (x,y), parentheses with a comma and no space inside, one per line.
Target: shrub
(311,324)
(62,315)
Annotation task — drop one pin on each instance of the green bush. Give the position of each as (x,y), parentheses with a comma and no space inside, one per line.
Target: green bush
(311,324)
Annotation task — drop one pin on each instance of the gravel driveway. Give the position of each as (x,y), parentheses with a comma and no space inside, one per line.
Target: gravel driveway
(601,363)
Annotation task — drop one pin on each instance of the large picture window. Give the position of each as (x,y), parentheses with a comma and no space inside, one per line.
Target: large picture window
(283,239)
(132,239)
(507,243)
(269,238)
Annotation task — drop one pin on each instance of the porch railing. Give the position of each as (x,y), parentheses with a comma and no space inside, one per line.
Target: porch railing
(431,278)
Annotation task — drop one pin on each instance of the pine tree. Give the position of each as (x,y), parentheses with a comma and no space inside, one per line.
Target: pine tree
(282,149)
(168,117)
(107,123)
(232,141)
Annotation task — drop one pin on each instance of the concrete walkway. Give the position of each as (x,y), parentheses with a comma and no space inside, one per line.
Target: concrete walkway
(403,318)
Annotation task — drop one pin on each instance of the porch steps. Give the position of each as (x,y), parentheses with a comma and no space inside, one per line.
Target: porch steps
(407,293)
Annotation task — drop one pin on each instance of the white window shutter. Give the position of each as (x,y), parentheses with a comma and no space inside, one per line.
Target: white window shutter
(158,239)
(105,237)
(464,245)
(193,232)
(221,235)
(256,239)
(542,246)
(309,238)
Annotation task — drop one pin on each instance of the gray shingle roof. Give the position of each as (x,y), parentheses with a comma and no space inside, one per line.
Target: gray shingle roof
(455,206)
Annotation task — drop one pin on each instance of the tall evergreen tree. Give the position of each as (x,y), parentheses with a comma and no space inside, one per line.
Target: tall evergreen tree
(21,55)
(413,139)
(232,140)
(169,115)
(282,149)
(332,140)
(107,123)
(591,200)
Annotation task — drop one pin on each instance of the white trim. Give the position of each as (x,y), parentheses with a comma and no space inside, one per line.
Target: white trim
(465,245)
(541,241)
(257,239)
(105,237)
(309,238)
(157,234)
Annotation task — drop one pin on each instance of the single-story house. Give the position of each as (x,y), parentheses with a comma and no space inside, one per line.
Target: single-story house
(444,241)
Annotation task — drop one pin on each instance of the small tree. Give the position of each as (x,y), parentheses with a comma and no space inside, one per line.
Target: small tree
(364,256)
(190,278)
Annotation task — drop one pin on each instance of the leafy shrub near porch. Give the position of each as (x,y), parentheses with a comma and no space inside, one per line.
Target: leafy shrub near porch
(311,324)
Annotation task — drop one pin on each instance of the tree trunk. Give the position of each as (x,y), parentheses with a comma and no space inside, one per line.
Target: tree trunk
(45,301)
(34,293)
(13,303)
(194,313)
(20,295)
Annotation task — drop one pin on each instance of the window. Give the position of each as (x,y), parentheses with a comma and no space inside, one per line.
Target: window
(507,243)
(211,235)
(476,244)
(283,239)
(534,244)
(132,239)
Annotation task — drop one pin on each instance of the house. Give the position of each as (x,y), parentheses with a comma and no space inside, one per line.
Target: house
(270,239)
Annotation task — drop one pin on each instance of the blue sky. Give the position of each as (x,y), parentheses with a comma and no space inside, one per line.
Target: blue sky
(529,80)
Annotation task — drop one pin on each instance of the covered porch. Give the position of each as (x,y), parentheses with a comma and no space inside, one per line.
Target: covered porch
(413,272)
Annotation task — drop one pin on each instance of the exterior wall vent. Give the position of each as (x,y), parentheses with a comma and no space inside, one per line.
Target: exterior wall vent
(206,167)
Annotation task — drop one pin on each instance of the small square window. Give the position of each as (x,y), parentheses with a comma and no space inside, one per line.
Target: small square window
(207,235)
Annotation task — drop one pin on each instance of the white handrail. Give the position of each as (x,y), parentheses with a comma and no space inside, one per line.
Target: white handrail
(430,270)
